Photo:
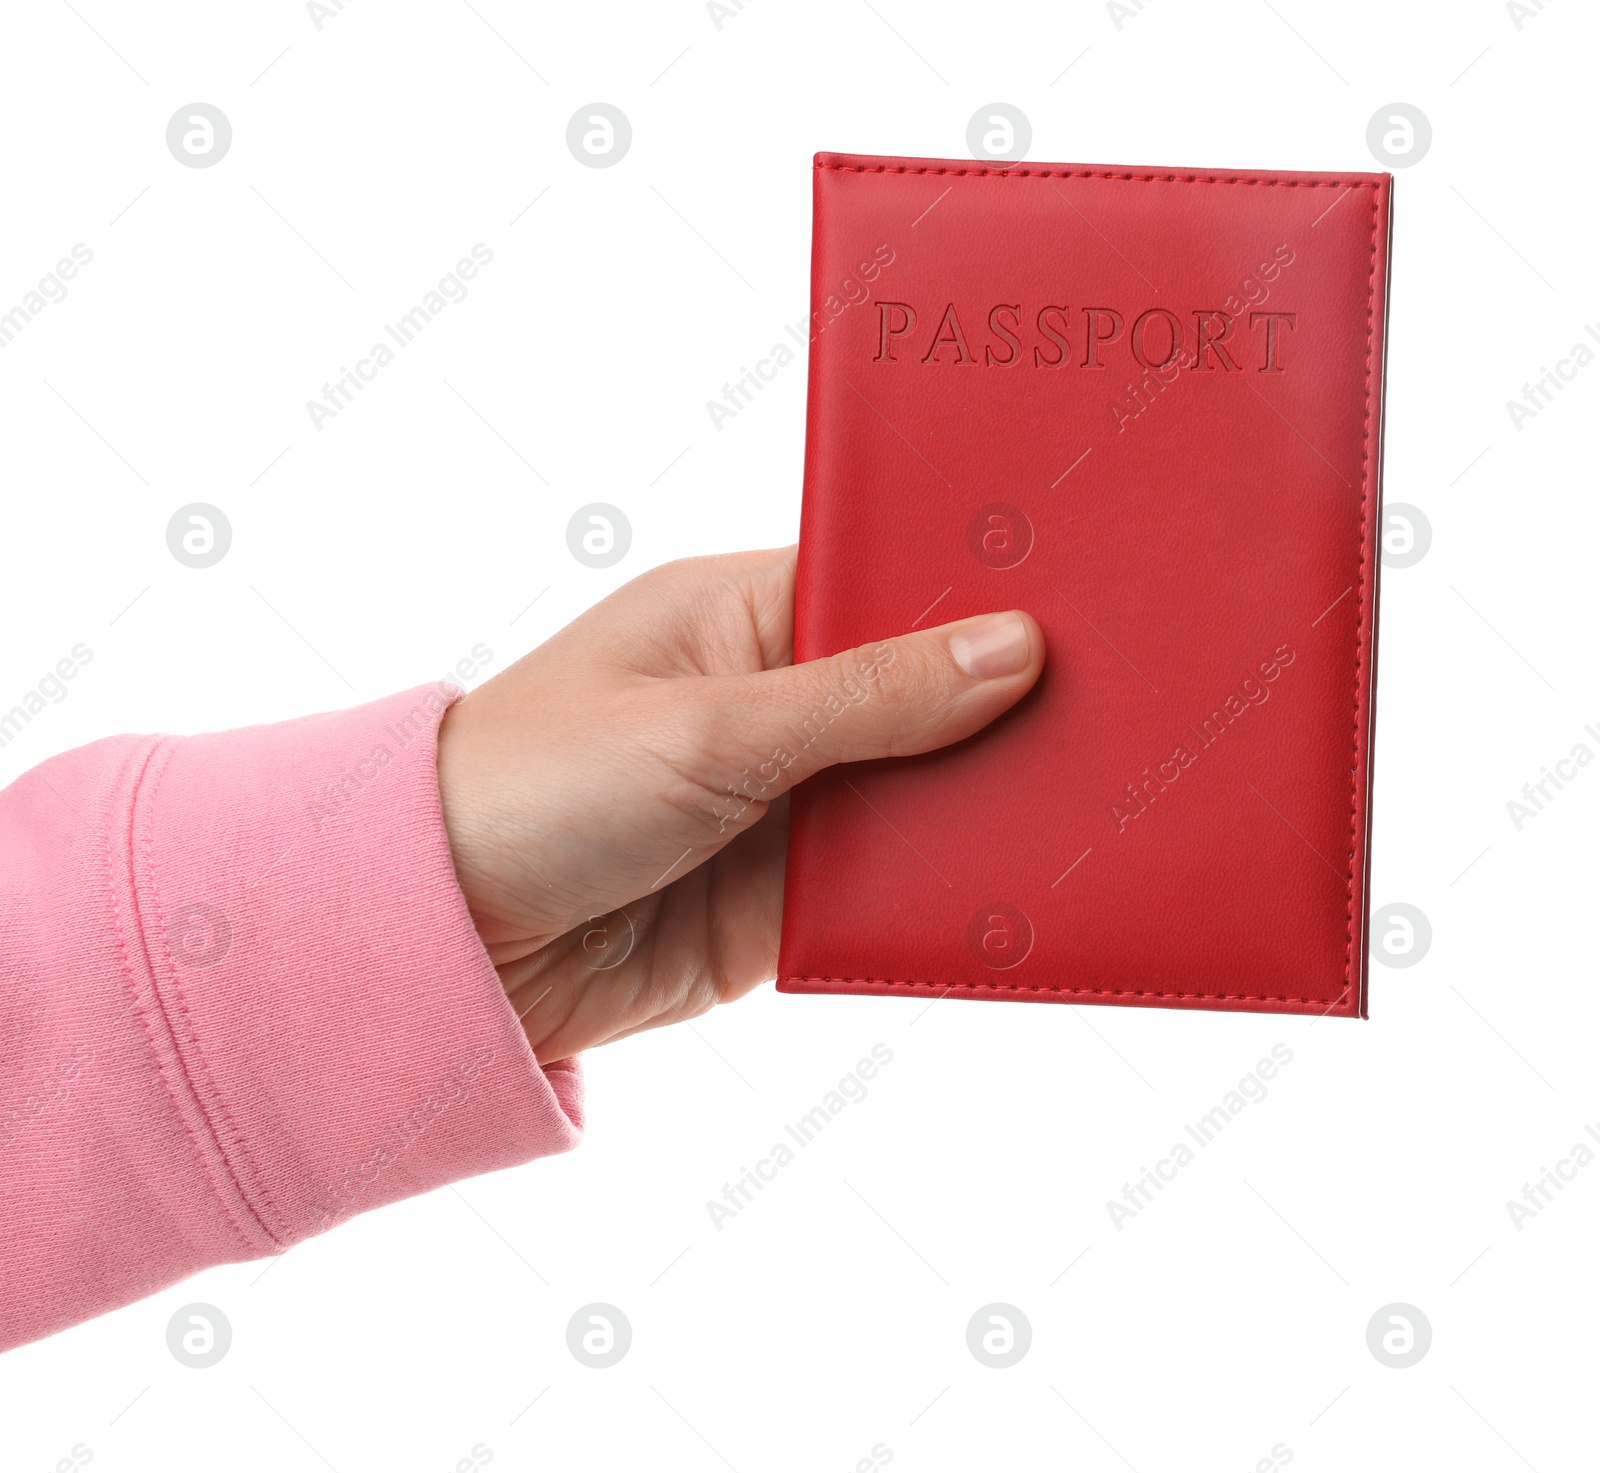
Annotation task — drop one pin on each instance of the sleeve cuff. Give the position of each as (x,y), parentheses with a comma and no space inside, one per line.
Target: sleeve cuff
(331,1028)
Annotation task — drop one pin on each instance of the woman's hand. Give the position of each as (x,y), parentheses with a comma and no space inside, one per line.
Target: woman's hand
(615,800)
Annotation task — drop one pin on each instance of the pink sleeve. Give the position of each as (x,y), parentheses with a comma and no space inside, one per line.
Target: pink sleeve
(241,999)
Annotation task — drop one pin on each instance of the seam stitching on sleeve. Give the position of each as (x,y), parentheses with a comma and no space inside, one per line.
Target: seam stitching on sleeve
(191,1057)
(124,925)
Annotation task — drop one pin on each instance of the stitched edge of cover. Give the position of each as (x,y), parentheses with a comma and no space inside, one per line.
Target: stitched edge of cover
(1344,992)
(1364,616)
(1111,174)
(1361,561)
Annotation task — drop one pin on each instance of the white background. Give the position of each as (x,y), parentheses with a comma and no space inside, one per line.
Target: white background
(1230,1316)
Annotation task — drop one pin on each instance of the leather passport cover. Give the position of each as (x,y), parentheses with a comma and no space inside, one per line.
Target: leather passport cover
(1144,405)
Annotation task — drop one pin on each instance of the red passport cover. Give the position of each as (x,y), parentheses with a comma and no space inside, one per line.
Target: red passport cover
(1144,405)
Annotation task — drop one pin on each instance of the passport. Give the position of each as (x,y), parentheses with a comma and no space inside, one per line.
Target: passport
(1145,405)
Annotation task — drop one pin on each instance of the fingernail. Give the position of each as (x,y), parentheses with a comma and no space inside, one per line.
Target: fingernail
(992,647)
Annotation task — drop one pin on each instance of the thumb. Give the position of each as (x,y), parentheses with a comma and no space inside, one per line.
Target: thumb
(891,698)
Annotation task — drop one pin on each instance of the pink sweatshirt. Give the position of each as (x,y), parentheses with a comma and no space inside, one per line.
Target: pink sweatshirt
(241,999)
